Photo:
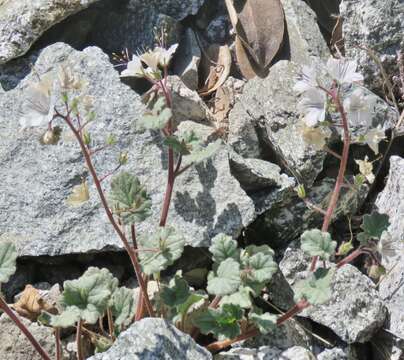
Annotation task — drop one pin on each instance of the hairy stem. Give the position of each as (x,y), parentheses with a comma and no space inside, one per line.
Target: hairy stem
(297,308)
(220,345)
(341,172)
(57,343)
(78,341)
(110,324)
(129,250)
(41,351)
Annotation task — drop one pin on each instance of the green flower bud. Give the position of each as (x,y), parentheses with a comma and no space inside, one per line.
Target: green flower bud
(345,248)
(123,158)
(86,138)
(301,191)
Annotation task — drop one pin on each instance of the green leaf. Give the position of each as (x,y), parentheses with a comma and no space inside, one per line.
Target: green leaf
(176,293)
(317,243)
(183,144)
(101,343)
(224,247)
(316,289)
(374,224)
(157,117)
(90,294)
(241,298)
(192,299)
(161,249)
(68,318)
(8,257)
(203,153)
(130,199)
(222,323)
(259,267)
(227,279)
(110,282)
(363,238)
(123,306)
(265,323)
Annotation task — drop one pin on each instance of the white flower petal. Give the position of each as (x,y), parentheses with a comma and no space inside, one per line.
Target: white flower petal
(134,68)
(313,106)
(343,71)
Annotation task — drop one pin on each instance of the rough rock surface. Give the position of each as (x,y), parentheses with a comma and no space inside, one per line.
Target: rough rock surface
(266,353)
(378,25)
(332,354)
(24,21)
(391,201)
(15,346)
(355,311)
(207,198)
(154,339)
(267,115)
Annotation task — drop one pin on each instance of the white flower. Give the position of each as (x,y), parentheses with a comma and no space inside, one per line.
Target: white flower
(37,109)
(68,80)
(313,106)
(134,68)
(165,55)
(388,248)
(151,59)
(343,71)
(373,137)
(307,80)
(366,169)
(359,107)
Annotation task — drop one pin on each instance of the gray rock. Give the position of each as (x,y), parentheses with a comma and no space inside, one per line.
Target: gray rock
(305,39)
(297,353)
(294,264)
(187,58)
(267,115)
(391,201)
(242,353)
(378,25)
(207,198)
(23,22)
(332,354)
(153,339)
(355,311)
(256,174)
(15,346)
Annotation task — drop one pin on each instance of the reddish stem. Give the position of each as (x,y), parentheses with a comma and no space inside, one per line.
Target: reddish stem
(108,212)
(219,345)
(341,172)
(78,341)
(57,343)
(352,256)
(41,351)
(296,309)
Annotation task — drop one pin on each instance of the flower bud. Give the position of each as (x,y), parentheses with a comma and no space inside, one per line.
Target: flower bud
(123,158)
(345,248)
(86,138)
(301,191)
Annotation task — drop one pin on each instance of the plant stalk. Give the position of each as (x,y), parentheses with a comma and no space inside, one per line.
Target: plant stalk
(57,343)
(78,341)
(41,351)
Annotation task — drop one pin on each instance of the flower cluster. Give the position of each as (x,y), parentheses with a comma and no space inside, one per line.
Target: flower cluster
(153,59)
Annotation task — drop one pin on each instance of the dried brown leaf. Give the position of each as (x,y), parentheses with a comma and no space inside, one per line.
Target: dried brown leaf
(214,68)
(31,304)
(248,67)
(260,27)
(222,104)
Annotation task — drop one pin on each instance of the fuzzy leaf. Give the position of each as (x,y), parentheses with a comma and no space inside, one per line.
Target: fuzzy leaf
(123,306)
(227,279)
(222,323)
(176,293)
(316,289)
(203,153)
(131,201)
(241,298)
(224,247)
(110,282)
(260,267)
(183,144)
(165,246)
(68,318)
(90,294)
(317,243)
(251,250)
(8,256)
(192,299)
(374,224)
(265,322)
(157,117)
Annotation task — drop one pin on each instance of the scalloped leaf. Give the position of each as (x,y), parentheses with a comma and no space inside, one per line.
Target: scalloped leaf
(227,279)
(260,268)
(222,323)
(203,153)
(317,243)
(316,289)
(374,224)
(161,249)
(176,293)
(183,144)
(8,257)
(224,247)
(265,323)
(157,117)
(90,294)
(131,201)
(123,306)
(68,318)
(241,298)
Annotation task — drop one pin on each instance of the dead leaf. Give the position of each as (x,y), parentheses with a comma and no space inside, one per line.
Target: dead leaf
(248,68)
(221,105)
(214,68)
(260,28)
(31,304)
(79,194)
